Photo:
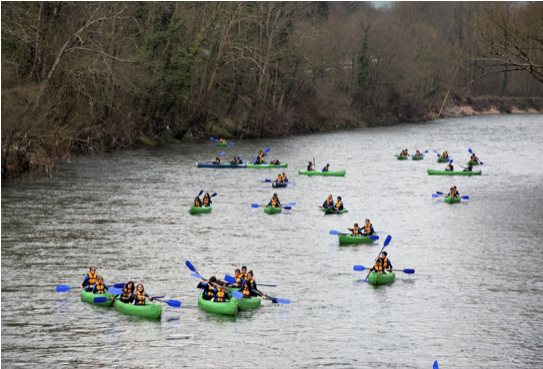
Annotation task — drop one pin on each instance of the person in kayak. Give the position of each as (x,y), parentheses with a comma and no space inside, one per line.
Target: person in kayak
(456,193)
(244,272)
(368,228)
(355,231)
(339,204)
(329,202)
(234,161)
(128,293)
(246,289)
(310,167)
(418,153)
(221,140)
(220,293)
(239,160)
(252,283)
(207,200)
(284,178)
(217,161)
(238,277)
(279,179)
(275,162)
(274,202)
(474,159)
(450,168)
(208,287)
(445,155)
(469,168)
(382,265)
(99,287)
(90,279)
(404,153)
(140,295)
(326,168)
(197,202)
(452,193)
(259,159)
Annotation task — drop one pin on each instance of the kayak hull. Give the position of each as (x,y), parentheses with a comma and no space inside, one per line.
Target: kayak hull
(399,157)
(222,144)
(338,173)
(279,185)
(345,239)
(88,297)
(148,310)
(330,211)
(248,304)
(452,200)
(266,166)
(377,279)
(223,308)
(272,210)
(417,157)
(220,166)
(442,160)
(202,210)
(445,173)
(472,163)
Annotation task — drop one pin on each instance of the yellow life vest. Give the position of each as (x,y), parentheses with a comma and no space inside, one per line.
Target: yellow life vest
(279,179)
(310,167)
(273,203)
(217,160)
(284,177)
(206,201)
(380,265)
(259,159)
(367,228)
(418,153)
(92,278)
(221,140)
(329,201)
(246,291)
(326,168)
(221,295)
(238,279)
(99,288)
(127,292)
(356,230)
(473,157)
(140,297)
(197,203)
(452,193)
(338,204)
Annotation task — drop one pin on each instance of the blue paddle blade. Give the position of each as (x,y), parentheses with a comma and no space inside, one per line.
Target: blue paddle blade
(215,194)
(387,240)
(426,152)
(287,207)
(230,279)
(212,139)
(333,232)
(63,288)
(190,266)
(481,163)
(267,150)
(196,275)
(115,291)
(471,152)
(237,295)
(435,365)
(267,180)
(291,203)
(231,143)
(374,237)
(255,205)
(282,301)
(439,193)
(409,271)
(157,297)
(221,154)
(435,195)
(359,268)
(100,300)
(200,193)
(173,303)
(267,285)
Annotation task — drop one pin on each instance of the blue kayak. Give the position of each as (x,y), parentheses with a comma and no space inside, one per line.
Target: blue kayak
(220,166)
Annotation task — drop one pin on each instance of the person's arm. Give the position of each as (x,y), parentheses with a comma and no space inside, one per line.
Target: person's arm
(94,288)
(105,287)
(85,281)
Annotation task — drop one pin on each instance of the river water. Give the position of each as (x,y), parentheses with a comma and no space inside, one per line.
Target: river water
(475,300)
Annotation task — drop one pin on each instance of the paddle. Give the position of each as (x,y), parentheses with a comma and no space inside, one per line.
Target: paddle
(387,241)
(172,303)
(201,192)
(284,207)
(337,233)
(196,275)
(441,194)
(471,152)
(421,155)
(435,365)
(115,291)
(361,268)
(267,150)
(266,181)
(212,139)
(232,280)
(274,299)
(221,154)
(192,268)
(64,288)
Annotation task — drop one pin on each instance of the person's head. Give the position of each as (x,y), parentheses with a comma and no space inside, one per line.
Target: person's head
(244,269)
(367,221)
(279,175)
(207,195)
(246,283)
(384,255)
(250,274)
(100,279)
(274,195)
(237,273)
(213,279)
(330,196)
(92,270)
(327,165)
(339,198)
(196,198)
(220,283)
(356,225)
(284,174)
(140,288)
(310,163)
(129,285)
(454,187)
(217,158)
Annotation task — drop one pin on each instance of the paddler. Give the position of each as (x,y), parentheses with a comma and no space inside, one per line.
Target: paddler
(197,202)
(310,167)
(221,293)
(208,287)
(355,231)
(217,161)
(238,277)
(368,228)
(445,155)
(140,295)
(279,179)
(326,168)
(207,200)
(339,204)
(450,168)
(246,289)
(252,283)
(329,202)
(221,140)
(234,161)
(128,293)
(474,159)
(452,193)
(469,168)
(382,265)
(418,153)
(274,202)
(259,159)
(275,162)
(90,279)
(99,287)
(244,272)
(456,193)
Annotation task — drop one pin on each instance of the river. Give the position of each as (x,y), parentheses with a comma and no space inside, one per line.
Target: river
(476,299)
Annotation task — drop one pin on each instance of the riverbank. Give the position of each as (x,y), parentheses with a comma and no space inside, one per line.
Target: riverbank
(465,107)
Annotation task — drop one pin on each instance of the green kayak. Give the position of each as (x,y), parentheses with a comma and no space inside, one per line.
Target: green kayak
(445,173)
(346,239)
(472,163)
(272,210)
(378,279)
(149,310)
(415,157)
(442,160)
(400,157)
(338,173)
(202,210)
(222,143)
(247,304)
(224,308)
(331,211)
(266,166)
(88,297)
(452,200)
